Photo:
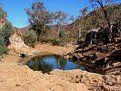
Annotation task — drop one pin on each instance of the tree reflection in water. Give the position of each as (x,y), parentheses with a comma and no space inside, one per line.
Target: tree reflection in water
(50,62)
(61,62)
(38,64)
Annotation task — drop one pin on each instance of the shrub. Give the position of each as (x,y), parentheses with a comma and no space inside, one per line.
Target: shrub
(30,37)
(62,34)
(56,41)
(3,49)
(59,41)
(3,14)
(6,32)
(45,40)
(2,41)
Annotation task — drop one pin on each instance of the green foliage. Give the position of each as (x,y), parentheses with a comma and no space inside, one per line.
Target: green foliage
(2,42)
(3,49)
(56,41)
(95,19)
(46,40)
(59,41)
(3,14)
(84,11)
(39,18)
(4,39)
(70,40)
(62,34)
(6,32)
(30,37)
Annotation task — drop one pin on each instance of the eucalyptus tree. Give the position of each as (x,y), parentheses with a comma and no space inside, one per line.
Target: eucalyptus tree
(83,25)
(102,4)
(60,20)
(39,18)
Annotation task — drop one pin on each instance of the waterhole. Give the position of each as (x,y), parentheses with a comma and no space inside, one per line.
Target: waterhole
(50,62)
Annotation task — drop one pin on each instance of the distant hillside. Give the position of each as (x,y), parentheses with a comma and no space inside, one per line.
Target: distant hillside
(24,28)
(53,29)
(95,19)
(91,21)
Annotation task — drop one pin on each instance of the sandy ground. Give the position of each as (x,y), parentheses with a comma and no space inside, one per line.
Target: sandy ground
(15,77)
(44,50)
(55,49)
(20,78)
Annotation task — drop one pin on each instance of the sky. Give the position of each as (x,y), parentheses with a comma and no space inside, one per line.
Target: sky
(16,9)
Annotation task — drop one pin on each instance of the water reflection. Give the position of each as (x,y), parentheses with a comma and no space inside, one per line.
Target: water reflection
(48,63)
(39,64)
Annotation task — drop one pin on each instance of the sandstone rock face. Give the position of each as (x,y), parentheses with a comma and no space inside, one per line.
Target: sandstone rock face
(17,45)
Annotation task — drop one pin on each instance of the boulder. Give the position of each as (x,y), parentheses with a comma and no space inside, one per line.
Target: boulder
(100,62)
(19,47)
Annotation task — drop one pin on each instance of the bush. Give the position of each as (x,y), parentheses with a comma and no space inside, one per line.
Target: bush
(30,37)
(62,34)
(3,14)
(3,50)
(56,41)
(2,41)
(59,41)
(5,32)
(45,40)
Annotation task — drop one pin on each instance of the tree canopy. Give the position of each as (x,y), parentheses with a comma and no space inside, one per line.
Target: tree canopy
(39,18)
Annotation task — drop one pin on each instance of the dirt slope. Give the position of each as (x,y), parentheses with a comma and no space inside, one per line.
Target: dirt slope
(20,78)
(14,77)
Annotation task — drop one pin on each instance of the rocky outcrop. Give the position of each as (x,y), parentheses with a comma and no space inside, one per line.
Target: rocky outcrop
(95,82)
(18,46)
(101,57)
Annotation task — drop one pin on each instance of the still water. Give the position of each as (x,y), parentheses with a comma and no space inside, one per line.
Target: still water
(51,62)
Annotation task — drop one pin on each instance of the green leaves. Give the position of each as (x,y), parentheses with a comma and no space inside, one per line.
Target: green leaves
(30,37)
(39,18)
(5,32)
(3,49)
(3,14)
